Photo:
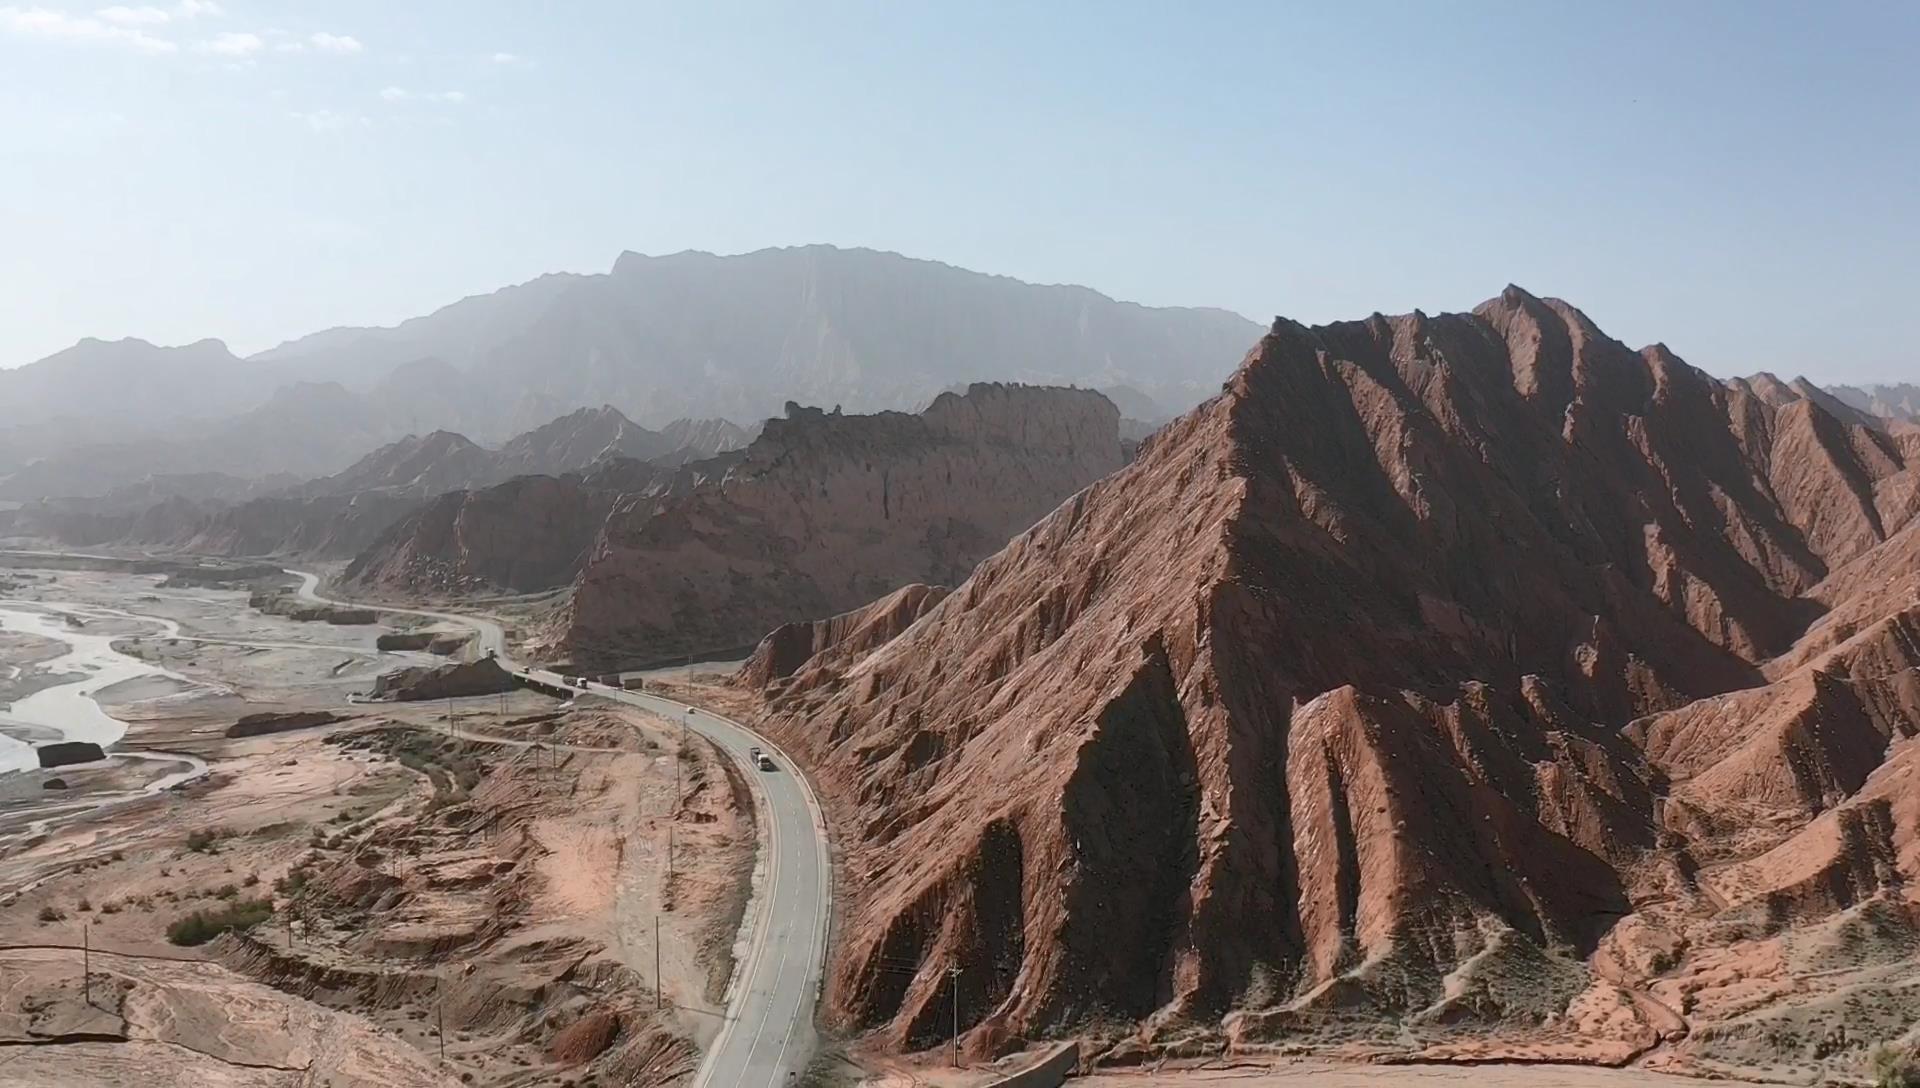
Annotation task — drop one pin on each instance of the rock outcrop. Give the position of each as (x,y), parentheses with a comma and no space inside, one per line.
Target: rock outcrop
(1314,712)
(824,512)
(66,753)
(270,722)
(793,646)
(284,603)
(482,677)
(529,534)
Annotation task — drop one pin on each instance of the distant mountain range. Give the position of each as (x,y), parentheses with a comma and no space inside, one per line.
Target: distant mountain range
(337,515)
(1901,401)
(691,335)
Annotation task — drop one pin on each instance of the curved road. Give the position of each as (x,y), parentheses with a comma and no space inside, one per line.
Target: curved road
(767,1038)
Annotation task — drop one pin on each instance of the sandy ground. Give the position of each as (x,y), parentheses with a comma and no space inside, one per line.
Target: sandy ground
(1321,1075)
(500,872)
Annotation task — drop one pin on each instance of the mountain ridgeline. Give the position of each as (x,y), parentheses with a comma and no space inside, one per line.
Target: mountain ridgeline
(825,511)
(690,335)
(341,515)
(1445,674)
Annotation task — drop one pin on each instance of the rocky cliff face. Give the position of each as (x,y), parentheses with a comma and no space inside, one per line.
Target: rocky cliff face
(1312,716)
(791,647)
(824,512)
(528,534)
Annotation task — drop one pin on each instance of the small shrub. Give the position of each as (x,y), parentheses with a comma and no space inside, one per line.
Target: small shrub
(204,840)
(252,879)
(51,913)
(109,907)
(84,905)
(118,856)
(204,925)
(1896,1066)
(227,891)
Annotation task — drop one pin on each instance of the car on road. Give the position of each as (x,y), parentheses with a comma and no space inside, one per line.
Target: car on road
(765,761)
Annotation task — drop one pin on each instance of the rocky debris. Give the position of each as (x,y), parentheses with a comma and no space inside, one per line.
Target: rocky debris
(826,512)
(54,784)
(65,753)
(458,681)
(792,646)
(285,603)
(257,725)
(1252,734)
(584,1040)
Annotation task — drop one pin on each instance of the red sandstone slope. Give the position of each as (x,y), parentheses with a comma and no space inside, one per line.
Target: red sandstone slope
(825,512)
(791,647)
(1316,705)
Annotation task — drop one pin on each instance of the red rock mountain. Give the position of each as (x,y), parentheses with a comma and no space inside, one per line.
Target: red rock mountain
(528,534)
(824,512)
(791,647)
(1444,673)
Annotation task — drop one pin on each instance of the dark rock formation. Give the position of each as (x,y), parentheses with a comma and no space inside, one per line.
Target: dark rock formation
(63,753)
(482,677)
(255,725)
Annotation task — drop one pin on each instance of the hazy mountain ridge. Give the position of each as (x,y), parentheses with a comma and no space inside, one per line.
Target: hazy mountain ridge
(690,335)
(340,515)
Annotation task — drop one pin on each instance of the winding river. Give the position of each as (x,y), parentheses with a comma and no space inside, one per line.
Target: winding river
(71,711)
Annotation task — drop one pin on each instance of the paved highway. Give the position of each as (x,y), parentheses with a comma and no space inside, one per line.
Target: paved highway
(767,1038)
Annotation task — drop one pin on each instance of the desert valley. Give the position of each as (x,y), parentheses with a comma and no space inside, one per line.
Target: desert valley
(1136,694)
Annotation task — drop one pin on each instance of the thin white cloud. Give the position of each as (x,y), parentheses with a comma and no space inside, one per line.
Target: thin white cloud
(335,43)
(140,16)
(148,15)
(79,29)
(506,58)
(328,120)
(401,94)
(232,44)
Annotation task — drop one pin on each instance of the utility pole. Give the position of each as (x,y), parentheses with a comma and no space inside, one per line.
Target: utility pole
(86,961)
(659,987)
(953,973)
(669,847)
(450,728)
(440,1018)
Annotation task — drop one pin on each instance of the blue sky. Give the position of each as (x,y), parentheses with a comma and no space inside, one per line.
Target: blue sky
(1739,180)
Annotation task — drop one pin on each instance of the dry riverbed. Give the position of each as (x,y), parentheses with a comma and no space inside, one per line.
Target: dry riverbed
(317,905)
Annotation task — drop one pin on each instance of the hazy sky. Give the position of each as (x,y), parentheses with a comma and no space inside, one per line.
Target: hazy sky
(1740,180)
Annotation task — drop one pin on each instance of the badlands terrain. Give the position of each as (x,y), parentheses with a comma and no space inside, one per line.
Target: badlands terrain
(1462,695)
(1458,688)
(489,882)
